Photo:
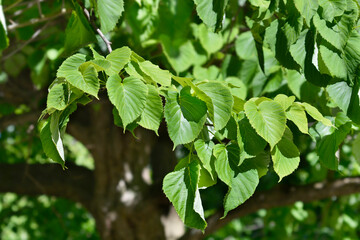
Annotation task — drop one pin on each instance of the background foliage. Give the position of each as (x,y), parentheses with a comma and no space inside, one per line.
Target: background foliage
(250,92)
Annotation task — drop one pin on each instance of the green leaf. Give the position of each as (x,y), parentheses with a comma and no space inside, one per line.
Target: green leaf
(336,67)
(351,55)
(48,144)
(128,96)
(182,126)
(243,186)
(58,97)
(77,34)
(307,9)
(284,100)
(329,144)
(245,46)
(285,155)
(158,75)
(332,8)
(314,113)
(260,163)
(328,34)
(211,12)
(297,115)
(118,122)
(109,12)
(346,98)
(242,182)
(4,41)
(268,119)
(118,59)
(86,81)
(206,180)
(192,108)
(222,164)
(253,143)
(153,110)
(55,134)
(221,102)
(204,152)
(212,42)
(181,188)
(298,50)
(180,53)
(263,5)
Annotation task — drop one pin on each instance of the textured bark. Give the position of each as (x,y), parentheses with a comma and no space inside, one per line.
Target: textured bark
(125,204)
(76,183)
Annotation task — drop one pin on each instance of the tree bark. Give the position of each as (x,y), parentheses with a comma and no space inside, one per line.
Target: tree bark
(125,204)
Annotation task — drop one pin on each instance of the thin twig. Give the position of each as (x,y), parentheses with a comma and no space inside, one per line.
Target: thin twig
(33,37)
(35,21)
(91,20)
(12,5)
(39,8)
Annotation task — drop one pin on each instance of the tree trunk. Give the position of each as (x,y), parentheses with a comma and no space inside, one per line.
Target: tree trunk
(128,202)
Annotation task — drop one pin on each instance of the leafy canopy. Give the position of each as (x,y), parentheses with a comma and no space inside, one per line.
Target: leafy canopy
(235,126)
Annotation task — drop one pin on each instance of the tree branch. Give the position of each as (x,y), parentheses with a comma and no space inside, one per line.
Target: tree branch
(76,183)
(278,197)
(19,119)
(91,20)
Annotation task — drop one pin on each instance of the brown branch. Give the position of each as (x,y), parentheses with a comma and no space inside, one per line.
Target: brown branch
(20,119)
(92,22)
(278,197)
(76,183)
(37,20)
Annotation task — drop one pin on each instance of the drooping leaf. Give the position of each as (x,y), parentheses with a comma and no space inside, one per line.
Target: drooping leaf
(118,122)
(329,34)
(212,42)
(118,59)
(253,143)
(86,81)
(48,144)
(221,102)
(181,188)
(109,12)
(241,182)
(55,134)
(284,100)
(307,9)
(153,110)
(157,74)
(346,98)
(332,8)
(128,96)
(181,53)
(222,164)
(328,145)
(211,12)
(245,46)
(58,97)
(204,151)
(336,67)
(285,155)
(352,56)
(268,119)
(184,127)
(297,115)
(263,5)
(243,186)
(78,32)
(314,113)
